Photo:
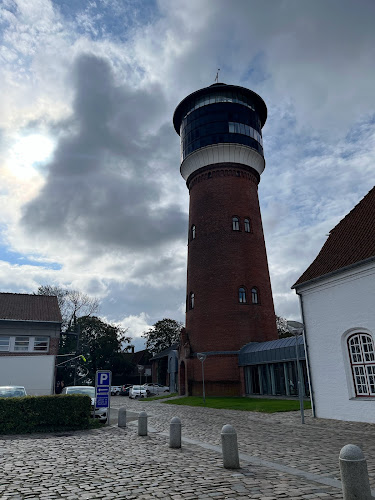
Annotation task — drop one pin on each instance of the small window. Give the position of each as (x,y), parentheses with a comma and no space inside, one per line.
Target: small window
(193,232)
(242,295)
(235,223)
(4,343)
(21,343)
(41,344)
(254,296)
(192,300)
(247,225)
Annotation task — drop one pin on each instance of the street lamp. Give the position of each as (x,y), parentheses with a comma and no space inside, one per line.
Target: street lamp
(202,356)
(297,328)
(140,370)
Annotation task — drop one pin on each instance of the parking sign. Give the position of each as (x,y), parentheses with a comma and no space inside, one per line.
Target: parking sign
(103,388)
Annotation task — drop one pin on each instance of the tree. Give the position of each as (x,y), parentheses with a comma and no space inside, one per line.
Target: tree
(282,328)
(72,303)
(162,335)
(102,346)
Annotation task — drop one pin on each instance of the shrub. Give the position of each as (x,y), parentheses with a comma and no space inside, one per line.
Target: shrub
(44,413)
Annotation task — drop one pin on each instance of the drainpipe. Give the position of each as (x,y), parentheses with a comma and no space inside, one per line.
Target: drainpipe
(306,354)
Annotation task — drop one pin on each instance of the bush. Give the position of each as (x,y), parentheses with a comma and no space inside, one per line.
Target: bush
(45,413)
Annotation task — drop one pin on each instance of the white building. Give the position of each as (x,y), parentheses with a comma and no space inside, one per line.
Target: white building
(337,296)
(29,340)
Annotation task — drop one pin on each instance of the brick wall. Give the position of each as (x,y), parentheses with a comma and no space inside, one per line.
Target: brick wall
(220,261)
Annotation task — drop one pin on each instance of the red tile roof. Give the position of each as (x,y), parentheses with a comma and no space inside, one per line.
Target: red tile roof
(17,306)
(351,241)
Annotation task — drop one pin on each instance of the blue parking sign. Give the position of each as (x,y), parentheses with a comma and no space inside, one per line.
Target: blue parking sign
(103,380)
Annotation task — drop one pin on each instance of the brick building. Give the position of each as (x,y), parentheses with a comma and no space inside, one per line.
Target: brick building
(29,341)
(229,299)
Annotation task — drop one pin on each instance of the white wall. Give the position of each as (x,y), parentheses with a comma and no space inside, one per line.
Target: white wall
(35,373)
(335,308)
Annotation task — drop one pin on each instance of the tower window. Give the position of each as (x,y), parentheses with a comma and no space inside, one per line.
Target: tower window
(254,296)
(247,226)
(242,295)
(362,358)
(235,223)
(193,232)
(192,300)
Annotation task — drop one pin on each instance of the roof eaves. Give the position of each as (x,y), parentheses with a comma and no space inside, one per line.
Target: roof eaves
(332,273)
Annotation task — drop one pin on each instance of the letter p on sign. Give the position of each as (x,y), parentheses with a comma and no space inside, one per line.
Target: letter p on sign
(103,379)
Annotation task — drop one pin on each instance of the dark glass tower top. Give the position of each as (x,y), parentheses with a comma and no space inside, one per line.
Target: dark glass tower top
(220,114)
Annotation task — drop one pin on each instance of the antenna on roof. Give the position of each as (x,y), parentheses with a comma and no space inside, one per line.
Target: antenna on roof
(217,76)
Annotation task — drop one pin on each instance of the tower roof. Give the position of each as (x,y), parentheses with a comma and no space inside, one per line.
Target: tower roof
(350,242)
(180,111)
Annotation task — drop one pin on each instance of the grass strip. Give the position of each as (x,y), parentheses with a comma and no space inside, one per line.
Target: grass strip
(243,404)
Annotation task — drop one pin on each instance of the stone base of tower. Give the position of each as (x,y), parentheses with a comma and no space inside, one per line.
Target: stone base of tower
(222,376)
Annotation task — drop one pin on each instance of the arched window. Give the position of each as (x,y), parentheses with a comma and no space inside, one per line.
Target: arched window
(193,232)
(362,360)
(235,223)
(242,295)
(247,225)
(192,299)
(254,296)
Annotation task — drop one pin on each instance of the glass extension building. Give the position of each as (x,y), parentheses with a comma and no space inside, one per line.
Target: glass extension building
(270,368)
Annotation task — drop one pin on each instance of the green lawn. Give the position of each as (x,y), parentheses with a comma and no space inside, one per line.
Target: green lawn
(244,404)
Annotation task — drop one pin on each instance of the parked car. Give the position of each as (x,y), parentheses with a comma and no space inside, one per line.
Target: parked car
(115,390)
(156,388)
(12,391)
(125,390)
(100,413)
(137,391)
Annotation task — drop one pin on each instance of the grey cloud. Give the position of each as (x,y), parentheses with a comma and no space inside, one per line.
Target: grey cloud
(100,186)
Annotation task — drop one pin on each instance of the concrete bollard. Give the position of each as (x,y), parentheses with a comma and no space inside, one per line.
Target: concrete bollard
(142,424)
(122,417)
(354,475)
(229,446)
(175,433)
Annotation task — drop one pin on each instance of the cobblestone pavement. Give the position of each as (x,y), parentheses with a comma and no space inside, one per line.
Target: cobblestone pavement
(117,463)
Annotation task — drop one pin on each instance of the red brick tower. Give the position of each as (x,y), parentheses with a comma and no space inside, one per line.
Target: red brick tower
(229,299)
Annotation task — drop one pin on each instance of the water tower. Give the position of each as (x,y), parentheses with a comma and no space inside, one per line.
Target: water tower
(229,299)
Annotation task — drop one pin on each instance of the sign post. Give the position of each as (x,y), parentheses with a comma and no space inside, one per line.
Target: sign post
(103,381)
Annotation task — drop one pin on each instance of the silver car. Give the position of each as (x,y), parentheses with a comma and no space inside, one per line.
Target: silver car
(12,391)
(137,391)
(100,413)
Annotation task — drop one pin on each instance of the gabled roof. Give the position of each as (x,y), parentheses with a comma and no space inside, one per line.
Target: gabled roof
(24,307)
(350,242)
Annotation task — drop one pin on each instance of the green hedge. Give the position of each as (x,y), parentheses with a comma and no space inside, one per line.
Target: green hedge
(45,413)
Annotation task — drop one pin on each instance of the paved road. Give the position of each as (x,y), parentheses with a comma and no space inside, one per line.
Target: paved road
(280,458)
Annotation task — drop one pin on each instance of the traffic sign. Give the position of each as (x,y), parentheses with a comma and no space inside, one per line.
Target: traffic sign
(103,388)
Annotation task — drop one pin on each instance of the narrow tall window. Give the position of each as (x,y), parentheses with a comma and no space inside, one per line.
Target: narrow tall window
(247,226)
(192,300)
(362,358)
(242,295)
(193,232)
(254,296)
(235,223)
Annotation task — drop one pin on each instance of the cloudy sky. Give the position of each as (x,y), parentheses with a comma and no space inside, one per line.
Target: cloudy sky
(91,197)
